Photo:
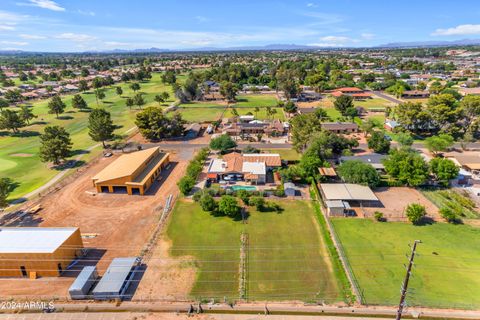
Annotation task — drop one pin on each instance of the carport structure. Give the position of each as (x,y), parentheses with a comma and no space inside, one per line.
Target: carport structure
(346,194)
(132,173)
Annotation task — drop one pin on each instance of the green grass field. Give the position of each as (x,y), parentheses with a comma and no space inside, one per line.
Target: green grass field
(376,103)
(285,154)
(200,111)
(446,272)
(19,154)
(287,259)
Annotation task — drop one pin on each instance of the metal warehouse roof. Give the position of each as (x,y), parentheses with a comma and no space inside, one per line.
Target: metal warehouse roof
(125,165)
(33,240)
(347,191)
(115,276)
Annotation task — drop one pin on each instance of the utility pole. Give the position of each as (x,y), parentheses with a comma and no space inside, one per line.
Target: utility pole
(405,281)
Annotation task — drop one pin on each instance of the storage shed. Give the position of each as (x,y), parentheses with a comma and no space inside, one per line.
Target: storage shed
(83,283)
(116,279)
(290,189)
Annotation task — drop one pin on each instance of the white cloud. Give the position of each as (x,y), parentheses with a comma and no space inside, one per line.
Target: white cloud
(463,29)
(312,5)
(15,43)
(31,36)
(322,18)
(367,36)
(77,37)
(335,39)
(117,44)
(6,27)
(87,13)
(45,4)
(202,19)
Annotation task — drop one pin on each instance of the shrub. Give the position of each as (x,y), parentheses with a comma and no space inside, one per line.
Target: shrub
(186,184)
(244,195)
(258,202)
(449,214)
(208,203)
(228,205)
(379,216)
(415,213)
(197,196)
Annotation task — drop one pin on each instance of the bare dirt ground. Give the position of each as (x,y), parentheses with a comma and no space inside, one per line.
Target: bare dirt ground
(396,199)
(166,277)
(119,225)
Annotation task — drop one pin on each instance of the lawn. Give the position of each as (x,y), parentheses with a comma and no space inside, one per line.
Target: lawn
(256,100)
(446,272)
(286,256)
(27,171)
(201,114)
(260,115)
(285,154)
(374,103)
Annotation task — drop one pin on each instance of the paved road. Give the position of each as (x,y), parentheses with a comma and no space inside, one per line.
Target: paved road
(260,308)
(387,97)
(179,146)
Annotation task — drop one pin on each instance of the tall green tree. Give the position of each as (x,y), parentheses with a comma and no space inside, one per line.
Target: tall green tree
(5,189)
(356,171)
(119,91)
(378,142)
(138,100)
(78,102)
(3,104)
(228,90)
(100,126)
(228,205)
(55,144)
(222,143)
(11,120)
(26,114)
(56,106)
(159,99)
(135,86)
(407,166)
(440,143)
(443,170)
(155,125)
(343,104)
(129,102)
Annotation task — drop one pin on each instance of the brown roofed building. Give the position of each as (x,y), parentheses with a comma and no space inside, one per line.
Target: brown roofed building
(133,173)
(340,127)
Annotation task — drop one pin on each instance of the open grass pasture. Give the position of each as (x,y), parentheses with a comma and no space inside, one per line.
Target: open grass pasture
(286,257)
(446,272)
(19,153)
(374,103)
(200,111)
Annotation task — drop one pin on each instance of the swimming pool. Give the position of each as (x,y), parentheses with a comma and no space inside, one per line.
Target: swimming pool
(248,188)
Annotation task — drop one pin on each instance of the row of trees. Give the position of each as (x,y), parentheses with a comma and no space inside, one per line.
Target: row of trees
(404,165)
(442,114)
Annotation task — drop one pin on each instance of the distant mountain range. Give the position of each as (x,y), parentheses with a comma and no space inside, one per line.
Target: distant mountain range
(281,47)
(463,42)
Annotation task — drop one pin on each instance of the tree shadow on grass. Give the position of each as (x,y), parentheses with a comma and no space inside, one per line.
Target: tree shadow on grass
(39,122)
(426,221)
(25,134)
(79,152)
(71,164)
(70,111)
(107,102)
(85,110)
(65,118)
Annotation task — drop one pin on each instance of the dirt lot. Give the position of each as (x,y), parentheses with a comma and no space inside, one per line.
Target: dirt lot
(119,225)
(395,200)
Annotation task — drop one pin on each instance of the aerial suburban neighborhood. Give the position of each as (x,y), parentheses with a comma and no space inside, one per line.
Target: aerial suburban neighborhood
(216,175)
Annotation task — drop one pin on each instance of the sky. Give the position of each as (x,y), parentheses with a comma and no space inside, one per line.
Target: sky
(81,25)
